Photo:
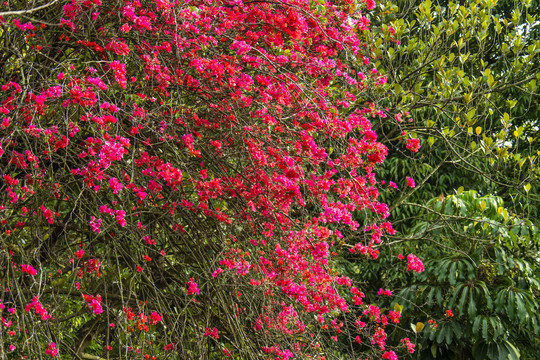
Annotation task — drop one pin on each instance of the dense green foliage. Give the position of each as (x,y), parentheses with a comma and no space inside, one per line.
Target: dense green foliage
(467,72)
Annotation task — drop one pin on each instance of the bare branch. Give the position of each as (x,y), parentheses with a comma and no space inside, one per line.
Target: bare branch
(27,11)
(91,357)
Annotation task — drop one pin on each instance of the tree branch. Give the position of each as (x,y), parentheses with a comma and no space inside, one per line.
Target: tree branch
(91,357)
(27,11)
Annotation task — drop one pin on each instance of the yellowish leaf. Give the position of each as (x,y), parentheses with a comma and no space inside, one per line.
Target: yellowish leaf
(482,205)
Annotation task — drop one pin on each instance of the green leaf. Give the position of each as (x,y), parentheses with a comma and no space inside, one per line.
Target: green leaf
(463,300)
(487,295)
(480,350)
(495,325)
(448,334)
(521,309)
(471,113)
(472,306)
(476,324)
(448,209)
(457,330)
(439,296)
(534,321)
(485,329)
(500,300)
(442,270)
(513,352)
(452,274)
(429,297)
(441,333)
(434,351)
(510,305)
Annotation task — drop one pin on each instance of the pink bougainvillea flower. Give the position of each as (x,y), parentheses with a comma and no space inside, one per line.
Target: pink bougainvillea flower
(115,185)
(390,355)
(38,308)
(394,316)
(155,317)
(94,303)
(211,333)
(408,344)
(413,144)
(217,272)
(52,350)
(192,287)
(384,292)
(28,269)
(414,263)
(118,47)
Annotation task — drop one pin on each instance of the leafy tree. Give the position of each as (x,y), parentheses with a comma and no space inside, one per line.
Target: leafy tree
(486,271)
(179,179)
(467,73)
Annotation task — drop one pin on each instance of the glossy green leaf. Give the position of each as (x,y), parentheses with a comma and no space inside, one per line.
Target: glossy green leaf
(485,329)
(463,300)
(471,310)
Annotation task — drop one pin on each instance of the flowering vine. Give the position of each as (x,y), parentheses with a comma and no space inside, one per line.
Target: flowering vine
(204,162)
